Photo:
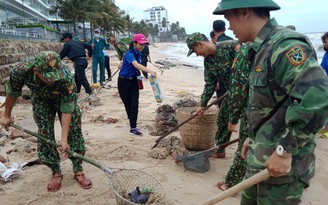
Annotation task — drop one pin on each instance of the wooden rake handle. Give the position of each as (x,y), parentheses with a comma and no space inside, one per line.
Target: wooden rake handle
(187,120)
(261,176)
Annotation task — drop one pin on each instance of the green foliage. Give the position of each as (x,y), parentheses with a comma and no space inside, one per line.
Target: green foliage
(37,25)
(110,18)
(126,40)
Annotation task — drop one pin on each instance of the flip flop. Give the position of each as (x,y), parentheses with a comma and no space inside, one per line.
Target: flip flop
(221,185)
(324,135)
(218,155)
(55,183)
(84,182)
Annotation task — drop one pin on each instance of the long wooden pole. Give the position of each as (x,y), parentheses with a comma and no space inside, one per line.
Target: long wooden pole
(261,176)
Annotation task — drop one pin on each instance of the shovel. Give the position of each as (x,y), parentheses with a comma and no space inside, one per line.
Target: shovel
(261,176)
(187,120)
(199,162)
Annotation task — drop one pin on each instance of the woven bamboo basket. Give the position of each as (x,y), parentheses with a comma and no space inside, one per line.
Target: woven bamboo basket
(199,133)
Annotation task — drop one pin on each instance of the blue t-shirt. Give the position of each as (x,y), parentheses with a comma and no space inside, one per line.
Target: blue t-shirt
(128,70)
(324,63)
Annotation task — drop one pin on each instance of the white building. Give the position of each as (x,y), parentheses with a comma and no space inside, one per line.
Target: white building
(22,12)
(155,15)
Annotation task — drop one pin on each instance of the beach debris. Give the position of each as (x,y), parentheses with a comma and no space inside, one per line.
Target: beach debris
(12,172)
(173,146)
(166,64)
(159,153)
(186,102)
(144,195)
(165,119)
(4,134)
(93,100)
(190,66)
(101,118)
(22,147)
(2,159)
(137,197)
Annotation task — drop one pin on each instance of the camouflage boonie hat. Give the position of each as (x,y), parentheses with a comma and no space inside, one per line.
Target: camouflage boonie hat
(49,64)
(193,39)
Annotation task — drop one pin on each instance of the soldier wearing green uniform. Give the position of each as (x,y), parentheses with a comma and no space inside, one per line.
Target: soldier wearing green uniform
(52,92)
(217,62)
(235,74)
(238,91)
(119,46)
(287,102)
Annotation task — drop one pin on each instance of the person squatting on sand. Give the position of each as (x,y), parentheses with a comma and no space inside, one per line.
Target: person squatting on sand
(218,59)
(53,92)
(284,109)
(75,51)
(128,83)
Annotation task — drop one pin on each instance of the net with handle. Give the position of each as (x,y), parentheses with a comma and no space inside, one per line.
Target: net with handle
(123,181)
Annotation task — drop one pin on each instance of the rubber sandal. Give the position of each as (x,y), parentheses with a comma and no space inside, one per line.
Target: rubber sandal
(218,155)
(221,185)
(324,135)
(55,183)
(84,182)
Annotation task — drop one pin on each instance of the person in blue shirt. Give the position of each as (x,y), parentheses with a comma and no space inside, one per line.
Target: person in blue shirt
(98,44)
(127,80)
(324,63)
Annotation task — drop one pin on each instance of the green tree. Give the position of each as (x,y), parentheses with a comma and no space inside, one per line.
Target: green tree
(164,24)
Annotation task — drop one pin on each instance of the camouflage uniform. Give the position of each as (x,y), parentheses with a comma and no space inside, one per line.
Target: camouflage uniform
(217,68)
(120,48)
(238,91)
(284,108)
(47,100)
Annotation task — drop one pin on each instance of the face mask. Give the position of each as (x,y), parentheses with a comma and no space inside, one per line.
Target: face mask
(97,35)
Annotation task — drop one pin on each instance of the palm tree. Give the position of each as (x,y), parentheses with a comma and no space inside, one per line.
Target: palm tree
(164,23)
(129,24)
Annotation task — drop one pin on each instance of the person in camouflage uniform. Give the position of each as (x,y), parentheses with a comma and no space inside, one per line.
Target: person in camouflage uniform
(284,109)
(119,46)
(52,91)
(238,91)
(217,62)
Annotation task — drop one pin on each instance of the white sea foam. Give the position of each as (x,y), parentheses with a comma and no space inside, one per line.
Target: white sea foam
(179,51)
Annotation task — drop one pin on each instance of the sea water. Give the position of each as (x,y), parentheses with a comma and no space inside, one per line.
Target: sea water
(179,51)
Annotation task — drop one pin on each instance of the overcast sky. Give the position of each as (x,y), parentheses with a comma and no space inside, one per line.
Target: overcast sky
(196,15)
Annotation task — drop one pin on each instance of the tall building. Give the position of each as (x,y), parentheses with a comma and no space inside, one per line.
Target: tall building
(22,12)
(155,15)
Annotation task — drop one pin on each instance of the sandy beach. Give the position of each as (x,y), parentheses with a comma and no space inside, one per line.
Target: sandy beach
(112,145)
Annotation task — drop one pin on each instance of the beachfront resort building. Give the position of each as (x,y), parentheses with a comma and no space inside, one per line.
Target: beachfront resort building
(16,15)
(155,15)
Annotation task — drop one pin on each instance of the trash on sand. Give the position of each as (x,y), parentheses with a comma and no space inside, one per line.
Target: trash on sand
(14,171)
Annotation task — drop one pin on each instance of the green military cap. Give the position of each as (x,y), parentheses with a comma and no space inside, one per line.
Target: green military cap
(193,39)
(49,64)
(238,4)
